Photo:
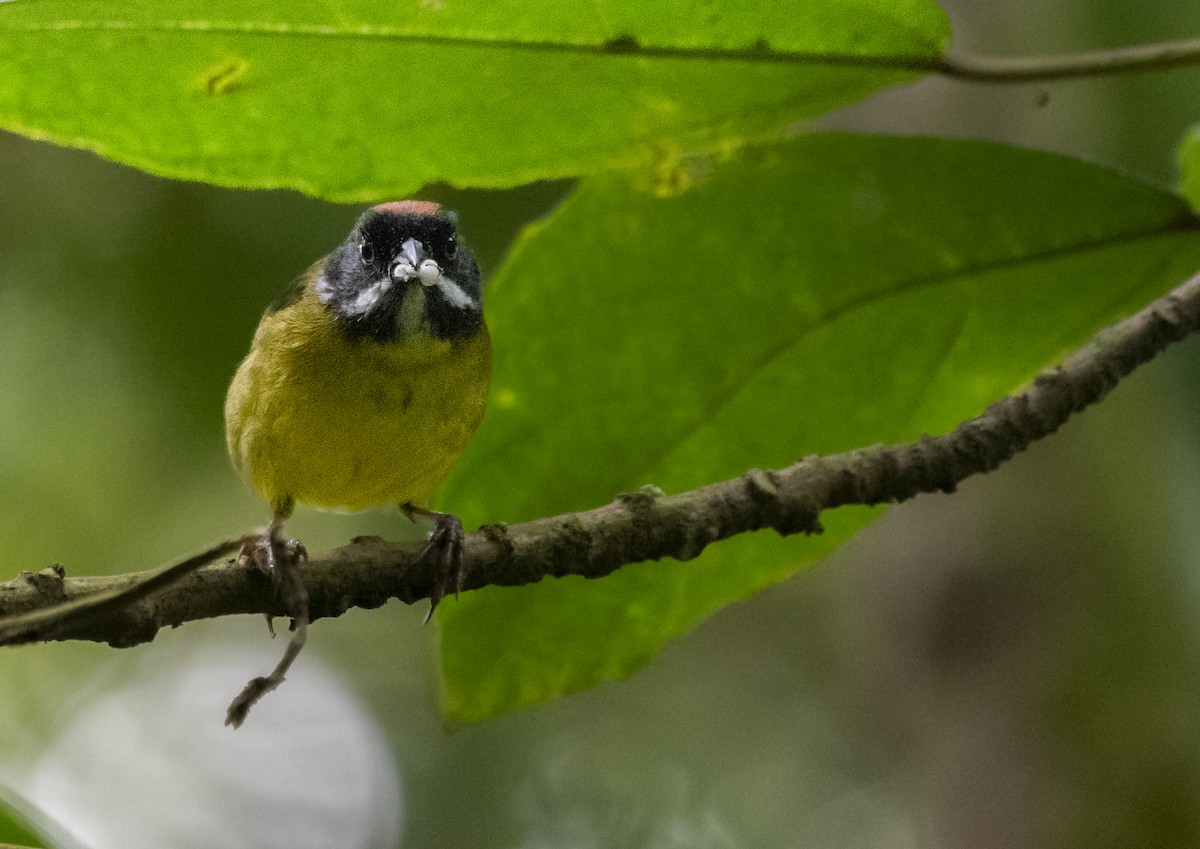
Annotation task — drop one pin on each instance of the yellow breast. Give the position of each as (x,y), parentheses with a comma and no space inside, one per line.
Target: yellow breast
(317,417)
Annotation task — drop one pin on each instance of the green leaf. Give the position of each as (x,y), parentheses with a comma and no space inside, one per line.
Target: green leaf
(1189,167)
(810,297)
(358,100)
(14,830)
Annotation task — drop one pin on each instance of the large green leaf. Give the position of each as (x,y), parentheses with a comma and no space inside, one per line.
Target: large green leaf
(357,100)
(14,829)
(814,296)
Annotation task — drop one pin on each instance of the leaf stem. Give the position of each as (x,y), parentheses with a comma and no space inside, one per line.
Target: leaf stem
(1160,56)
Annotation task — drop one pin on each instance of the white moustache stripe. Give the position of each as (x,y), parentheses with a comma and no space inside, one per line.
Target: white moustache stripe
(325,293)
(369,297)
(455,296)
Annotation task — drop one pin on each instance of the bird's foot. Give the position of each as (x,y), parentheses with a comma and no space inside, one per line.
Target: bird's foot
(269,552)
(445,549)
(266,550)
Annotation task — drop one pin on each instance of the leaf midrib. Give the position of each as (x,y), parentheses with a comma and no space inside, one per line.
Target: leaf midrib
(373,32)
(1184,223)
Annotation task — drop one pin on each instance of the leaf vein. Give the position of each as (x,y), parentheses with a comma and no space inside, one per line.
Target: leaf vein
(785,345)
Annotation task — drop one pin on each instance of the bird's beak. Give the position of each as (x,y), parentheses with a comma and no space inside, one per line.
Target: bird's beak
(412,254)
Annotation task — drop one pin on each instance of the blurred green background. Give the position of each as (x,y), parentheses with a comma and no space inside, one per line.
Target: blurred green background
(1013,665)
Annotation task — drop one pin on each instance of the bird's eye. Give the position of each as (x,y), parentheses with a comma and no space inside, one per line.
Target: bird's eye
(366,252)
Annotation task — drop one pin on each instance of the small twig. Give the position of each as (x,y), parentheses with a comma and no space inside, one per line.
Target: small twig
(290,579)
(256,688)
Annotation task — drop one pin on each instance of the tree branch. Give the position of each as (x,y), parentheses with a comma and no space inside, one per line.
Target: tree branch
(124,610)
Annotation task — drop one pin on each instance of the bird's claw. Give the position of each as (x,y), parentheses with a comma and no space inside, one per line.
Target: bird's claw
(265,552)
(270,553)
(445,547)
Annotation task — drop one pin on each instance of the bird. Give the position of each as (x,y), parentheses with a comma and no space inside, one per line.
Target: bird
(366,380)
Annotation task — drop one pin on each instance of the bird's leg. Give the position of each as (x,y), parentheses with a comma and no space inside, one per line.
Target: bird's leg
(446,545)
